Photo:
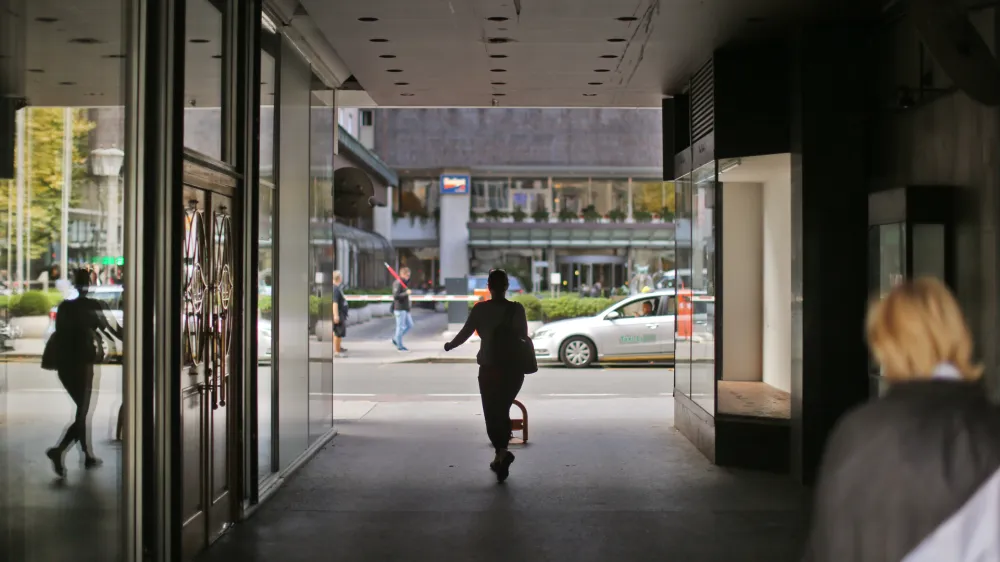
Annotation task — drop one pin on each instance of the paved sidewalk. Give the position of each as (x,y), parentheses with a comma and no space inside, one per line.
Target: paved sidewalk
(426,350)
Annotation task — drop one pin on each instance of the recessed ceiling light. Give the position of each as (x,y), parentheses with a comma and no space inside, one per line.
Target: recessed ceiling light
(387,56)
(394,70)
(85,41)
(609,56)
(402,83)
(407,94)
(216,56)
(498,83)
(589,95)
(616,40)
(36,70)
(594,83)
(46,19)
(67,83)
(499,40)
(379,40)
(199,41)
(498,18)
(601,70)
(498,56)
(627,18)
(367,20)
(114,56)
(498,94)
(498,70)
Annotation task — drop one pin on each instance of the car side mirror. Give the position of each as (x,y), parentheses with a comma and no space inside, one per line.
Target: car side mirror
(613,315)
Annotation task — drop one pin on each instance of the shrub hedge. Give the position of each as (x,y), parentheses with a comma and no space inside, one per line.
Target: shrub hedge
(572,306)
(31,303)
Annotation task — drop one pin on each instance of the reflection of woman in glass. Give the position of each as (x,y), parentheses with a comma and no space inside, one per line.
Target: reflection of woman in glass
(81,324)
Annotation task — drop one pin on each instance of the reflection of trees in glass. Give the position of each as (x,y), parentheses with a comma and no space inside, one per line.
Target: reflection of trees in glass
(44,179)
(653,197)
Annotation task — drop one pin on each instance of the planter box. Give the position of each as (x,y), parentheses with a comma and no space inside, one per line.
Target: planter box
(31,326)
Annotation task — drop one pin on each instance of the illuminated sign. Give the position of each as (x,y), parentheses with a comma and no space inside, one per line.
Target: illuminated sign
(454,185)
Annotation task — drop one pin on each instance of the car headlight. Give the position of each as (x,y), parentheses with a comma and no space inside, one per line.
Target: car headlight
(541,334)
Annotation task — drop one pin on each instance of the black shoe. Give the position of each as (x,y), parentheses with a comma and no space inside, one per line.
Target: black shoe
(92,462)
(55,455)
(503,467)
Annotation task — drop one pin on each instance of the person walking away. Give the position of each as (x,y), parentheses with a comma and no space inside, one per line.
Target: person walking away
(499,382)
(81,324)
(914,476)
(340,312)
(401,308)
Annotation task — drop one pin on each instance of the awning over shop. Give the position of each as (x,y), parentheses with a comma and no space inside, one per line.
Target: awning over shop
(561,235)
(363,239)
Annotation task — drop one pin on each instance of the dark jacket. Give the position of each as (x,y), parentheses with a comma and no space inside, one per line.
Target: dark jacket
(897,470)
(484,318)
(401,299)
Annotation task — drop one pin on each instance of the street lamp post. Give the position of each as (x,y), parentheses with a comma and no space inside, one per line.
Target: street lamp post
(106,164)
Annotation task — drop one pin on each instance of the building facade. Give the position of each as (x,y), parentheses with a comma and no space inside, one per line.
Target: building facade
(540,192)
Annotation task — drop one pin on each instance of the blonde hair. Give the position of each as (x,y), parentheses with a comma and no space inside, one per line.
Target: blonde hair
(336,276)
(918,326)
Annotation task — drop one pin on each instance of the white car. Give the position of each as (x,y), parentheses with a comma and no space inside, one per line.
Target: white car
(638,329)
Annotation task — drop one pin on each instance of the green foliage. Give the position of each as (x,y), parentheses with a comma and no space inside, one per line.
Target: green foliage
(264,305)
(617,215)
(590,214)
(642,216)
(495,214)
(30,303)
(540,215)
(571,306)
(566,215)
(519,215)
(532,306)
(44,178)
(357,304)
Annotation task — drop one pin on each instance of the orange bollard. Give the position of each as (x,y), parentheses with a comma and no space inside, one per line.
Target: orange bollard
(519,425)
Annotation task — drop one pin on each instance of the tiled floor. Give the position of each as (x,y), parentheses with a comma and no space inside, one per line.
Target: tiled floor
(601,480)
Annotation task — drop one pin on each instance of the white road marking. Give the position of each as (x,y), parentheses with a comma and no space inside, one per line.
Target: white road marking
(576,395)
(451,395)
(343,395)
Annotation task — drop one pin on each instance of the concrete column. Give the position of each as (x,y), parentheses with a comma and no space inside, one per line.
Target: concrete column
(454,232)
(831,70)
(382,216)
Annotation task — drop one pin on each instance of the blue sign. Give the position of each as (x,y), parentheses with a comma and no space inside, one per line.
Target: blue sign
(455,185)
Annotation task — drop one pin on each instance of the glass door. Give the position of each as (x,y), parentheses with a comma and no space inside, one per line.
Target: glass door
(210,289)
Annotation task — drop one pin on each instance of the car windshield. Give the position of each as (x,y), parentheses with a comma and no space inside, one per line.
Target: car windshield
(479,283)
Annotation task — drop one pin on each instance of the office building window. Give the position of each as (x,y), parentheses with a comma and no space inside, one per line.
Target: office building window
(417,196)
(490,195)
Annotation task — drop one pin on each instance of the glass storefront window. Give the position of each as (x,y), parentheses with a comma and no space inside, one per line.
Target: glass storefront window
(265,262)
(321,259)
(569,197)
(63,447)
(417,196)
(652,199)
(530,195)
(203,77)
(490,195)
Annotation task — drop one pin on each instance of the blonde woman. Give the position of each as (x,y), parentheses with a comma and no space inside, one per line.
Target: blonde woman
(914,476)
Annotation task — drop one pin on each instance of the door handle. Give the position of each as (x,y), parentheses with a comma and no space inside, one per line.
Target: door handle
(652,326)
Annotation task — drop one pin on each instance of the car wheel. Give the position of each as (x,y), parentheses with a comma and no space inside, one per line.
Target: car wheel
(578,352)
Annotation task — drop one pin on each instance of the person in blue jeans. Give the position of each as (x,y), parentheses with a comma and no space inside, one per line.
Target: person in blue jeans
(401,309)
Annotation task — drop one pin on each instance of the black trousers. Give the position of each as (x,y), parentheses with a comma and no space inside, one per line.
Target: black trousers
(78,380)
(498,389)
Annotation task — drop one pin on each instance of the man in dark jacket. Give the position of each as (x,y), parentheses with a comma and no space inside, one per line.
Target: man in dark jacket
(401,308)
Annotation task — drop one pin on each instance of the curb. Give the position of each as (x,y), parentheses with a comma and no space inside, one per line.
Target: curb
(427,360)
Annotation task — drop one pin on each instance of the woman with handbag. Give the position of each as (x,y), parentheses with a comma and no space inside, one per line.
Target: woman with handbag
(72,350)
(503,361)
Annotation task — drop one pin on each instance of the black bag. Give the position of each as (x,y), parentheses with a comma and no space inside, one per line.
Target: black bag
(517,352)
(50,355)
